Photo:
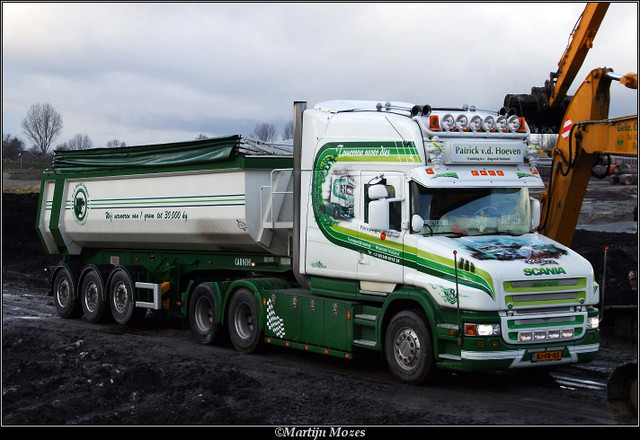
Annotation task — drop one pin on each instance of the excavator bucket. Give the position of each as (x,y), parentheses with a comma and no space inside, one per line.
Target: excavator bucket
(622,393)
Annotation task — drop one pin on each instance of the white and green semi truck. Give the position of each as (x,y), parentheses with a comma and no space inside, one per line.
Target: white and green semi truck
(435,261)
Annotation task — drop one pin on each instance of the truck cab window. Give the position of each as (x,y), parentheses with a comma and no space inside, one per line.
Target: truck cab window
(472,211)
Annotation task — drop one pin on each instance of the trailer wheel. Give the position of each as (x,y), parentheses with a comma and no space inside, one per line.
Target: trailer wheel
(244,321)
(408,347)
(203,309)
(67,305)
(91,296)
(122,300)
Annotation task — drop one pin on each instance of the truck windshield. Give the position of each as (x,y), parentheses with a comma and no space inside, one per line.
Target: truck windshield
(473,211)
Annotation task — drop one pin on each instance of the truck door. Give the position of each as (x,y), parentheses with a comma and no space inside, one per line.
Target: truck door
(381,257)
(331,229)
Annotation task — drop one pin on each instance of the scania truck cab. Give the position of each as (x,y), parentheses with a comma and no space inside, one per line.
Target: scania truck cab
(442,242)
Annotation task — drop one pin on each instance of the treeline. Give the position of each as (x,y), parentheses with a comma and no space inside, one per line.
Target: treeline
(43,124)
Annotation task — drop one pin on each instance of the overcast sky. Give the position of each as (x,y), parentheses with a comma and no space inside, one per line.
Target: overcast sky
(163,72)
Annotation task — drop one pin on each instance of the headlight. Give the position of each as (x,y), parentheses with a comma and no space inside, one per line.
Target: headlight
(489,123)
(447,122)
(514,123)
(461,122)
(501,123)
(476,123)
(471,329)
(593,322)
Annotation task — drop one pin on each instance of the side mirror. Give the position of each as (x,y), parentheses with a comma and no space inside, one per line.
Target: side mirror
(417,223)
(535,212)
(377,192)
(379,215)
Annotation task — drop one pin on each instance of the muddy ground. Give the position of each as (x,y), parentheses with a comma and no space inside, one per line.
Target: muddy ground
(69,372)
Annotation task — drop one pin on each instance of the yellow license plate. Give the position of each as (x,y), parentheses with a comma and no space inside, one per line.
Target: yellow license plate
(546,356)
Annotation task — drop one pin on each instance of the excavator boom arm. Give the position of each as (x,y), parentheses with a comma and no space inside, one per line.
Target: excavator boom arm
(580,41)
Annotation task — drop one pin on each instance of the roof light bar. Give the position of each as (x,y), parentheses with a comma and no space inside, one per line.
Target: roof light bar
(505,122)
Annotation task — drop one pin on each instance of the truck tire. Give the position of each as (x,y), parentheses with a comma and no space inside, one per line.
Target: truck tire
(408,347)
(122,300)
(244,321)
(64,293)
(92,296)
(203,309)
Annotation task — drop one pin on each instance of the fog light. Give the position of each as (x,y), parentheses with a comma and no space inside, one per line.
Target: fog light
(567,333)
(461,122)
(525,336)
(501,123)
(447,122)
(514,123)
(554,334)
(488,123)
(476,123)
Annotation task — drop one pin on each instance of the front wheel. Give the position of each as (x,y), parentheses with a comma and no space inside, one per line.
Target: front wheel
(408,347)
(244,321)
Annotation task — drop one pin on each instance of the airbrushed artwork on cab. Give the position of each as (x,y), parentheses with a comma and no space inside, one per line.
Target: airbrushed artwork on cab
(531,250)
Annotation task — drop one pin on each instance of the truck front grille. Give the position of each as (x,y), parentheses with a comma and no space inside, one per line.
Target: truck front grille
(544,311)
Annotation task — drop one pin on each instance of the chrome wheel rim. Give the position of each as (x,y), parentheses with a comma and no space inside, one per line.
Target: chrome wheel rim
(407,350)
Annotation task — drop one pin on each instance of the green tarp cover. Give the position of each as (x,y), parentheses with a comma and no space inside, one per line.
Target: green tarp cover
(179,154)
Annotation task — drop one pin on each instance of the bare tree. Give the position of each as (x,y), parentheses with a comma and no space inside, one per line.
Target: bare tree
(42,125)
(80,142)
(288,131)
(115,143)
(265,131)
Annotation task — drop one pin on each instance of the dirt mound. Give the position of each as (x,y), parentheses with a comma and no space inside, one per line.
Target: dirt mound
(22,253)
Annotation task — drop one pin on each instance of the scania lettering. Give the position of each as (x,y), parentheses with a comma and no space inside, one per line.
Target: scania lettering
(544,271)
(389,227)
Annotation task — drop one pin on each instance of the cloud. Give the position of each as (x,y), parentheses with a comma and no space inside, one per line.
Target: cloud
(160,72)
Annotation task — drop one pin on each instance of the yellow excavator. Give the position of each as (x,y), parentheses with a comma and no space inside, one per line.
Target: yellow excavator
(586,137)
